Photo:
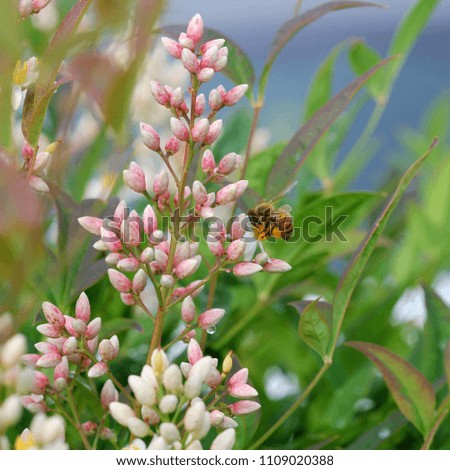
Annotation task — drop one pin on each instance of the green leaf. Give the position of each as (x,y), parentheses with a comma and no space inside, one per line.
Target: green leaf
(303,143)
(412,392)
(291,27)
(356,266)
(363,58)
(314,326)
(447,364)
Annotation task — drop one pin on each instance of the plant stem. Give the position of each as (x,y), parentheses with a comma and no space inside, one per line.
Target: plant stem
(157,333)
(292,408)
(257,106)
(76,418)
(442,412)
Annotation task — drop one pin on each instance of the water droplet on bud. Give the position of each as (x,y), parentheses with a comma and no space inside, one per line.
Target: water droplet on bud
(211,330)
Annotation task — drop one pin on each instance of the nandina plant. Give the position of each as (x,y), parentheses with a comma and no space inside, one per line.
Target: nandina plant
(197,248)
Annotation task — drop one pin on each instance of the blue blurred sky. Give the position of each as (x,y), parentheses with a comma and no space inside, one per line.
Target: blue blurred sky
(253,24)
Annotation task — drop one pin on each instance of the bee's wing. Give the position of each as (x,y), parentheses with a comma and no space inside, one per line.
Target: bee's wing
(285,208)
(284,192)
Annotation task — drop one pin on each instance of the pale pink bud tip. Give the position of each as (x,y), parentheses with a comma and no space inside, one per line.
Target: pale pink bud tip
(119,281)
(200,103)
(49,360)
(134,178)
(227,194)
(194,352)
(82,308)
(159,93)
(195,28)
(172,145)
(187,267)
(199,193)
(91,224)
(161,182)
(246,269)
(172,47)
(149,136)
(229,163)
(200,130)
(214,131)
(244,407)
(208,162)
(189,60)
(205,75)
(98,370)
(53,315)
(234,95)
(235,250)
(210,318)
(179,130)
(225,440)
(277,266)
(188,309)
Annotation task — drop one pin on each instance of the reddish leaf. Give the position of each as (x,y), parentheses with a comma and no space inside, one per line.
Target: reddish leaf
(412,392)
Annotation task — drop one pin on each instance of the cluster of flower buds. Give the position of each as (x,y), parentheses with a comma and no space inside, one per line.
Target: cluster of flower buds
(168,402)
(227,164)
(45,433)
(15,380)
(30,7)
(70,340)
(36,163)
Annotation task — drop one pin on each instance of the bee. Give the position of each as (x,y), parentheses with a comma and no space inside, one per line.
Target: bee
(268,221)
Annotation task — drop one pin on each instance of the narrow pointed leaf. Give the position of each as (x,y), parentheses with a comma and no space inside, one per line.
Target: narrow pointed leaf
(447,364)
(302,144)
(363,58)
(291,27)
(410,389)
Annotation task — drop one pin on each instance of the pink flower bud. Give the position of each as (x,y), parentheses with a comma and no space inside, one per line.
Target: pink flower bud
(182,252)
(27,151)
(206,212)
(134,178)
(200,103)
(92,344)
(229,163)
(184,41)
(246,269)
(89,428)
(172,146)
(49,360)
(235,250)
(34,403)
(149,218)
(82,308)
(53,314)
(172,47)
(241,187)
(215,101)
(108,394)
(205,75)
(40,383)
(119,281)
(25,8)
(221,61)
(187,267)
(189,61)
(130,264)
(41,162)
(208,162)
(30,360)
(62,370)
(209,57)
(167,281)
(97,370)
(161,259)
(210,318)
(194,352)
(70,346)
(149,136)
(214,42)
(195,28)
(199,193)
(49,330)
(177,98)
(200,130)
(46,348)
(240,390)
(235,94)
(127,299)
(214,131)
(244,407)
(159,93)
(38,184)
(93,328)
(108,349)
(179,130)
(79,326)
(188,309)
(110,239)
(227,194)
(139,281)
(276,266)
(147,255)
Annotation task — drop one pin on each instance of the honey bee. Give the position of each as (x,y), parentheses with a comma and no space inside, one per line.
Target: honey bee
(268,221)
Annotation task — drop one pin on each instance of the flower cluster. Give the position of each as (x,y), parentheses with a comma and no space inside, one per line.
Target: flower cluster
(70,340)
(46,433)
(170,406)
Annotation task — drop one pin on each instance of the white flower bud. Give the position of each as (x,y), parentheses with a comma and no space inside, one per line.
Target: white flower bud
(193,387)
(169,432)
(138,427)
(10,412)
(225,440)
(121,412)
(168,404)
(202,368)
(12,350)
(158,443)
(144,392)
(159,361)
(172,379)
(194,417)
